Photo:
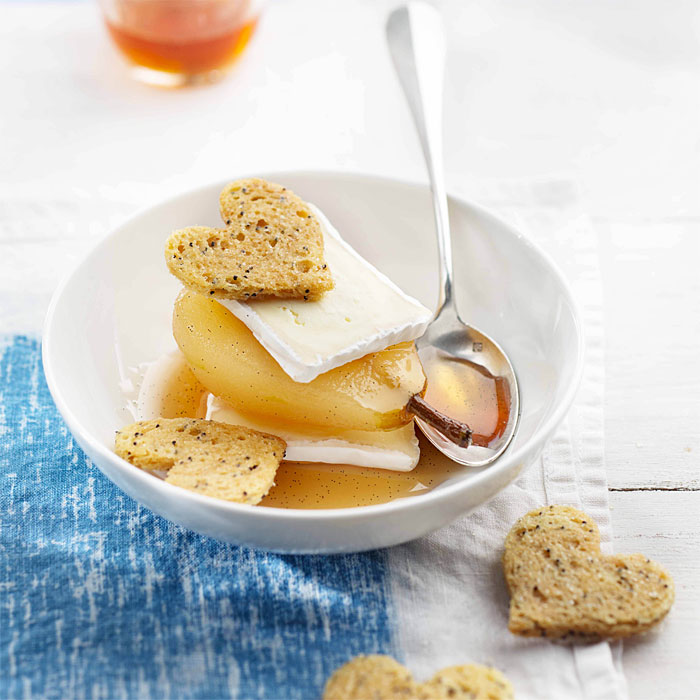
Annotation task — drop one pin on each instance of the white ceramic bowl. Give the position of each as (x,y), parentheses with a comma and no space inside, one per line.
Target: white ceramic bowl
(114,312)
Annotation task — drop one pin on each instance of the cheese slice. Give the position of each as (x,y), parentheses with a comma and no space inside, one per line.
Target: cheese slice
(365,312)
(396,450)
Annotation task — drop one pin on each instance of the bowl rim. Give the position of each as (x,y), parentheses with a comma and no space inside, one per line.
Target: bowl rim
(436,496)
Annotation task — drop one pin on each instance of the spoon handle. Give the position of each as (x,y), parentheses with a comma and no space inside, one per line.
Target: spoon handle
(417,45)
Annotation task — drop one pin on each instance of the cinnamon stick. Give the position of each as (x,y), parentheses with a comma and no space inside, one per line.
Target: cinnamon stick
(458,433)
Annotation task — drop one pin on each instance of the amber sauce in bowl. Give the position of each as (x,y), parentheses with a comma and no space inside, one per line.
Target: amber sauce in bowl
(306,485)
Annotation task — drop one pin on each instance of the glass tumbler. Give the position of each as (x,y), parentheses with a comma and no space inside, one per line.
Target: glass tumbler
(173,43)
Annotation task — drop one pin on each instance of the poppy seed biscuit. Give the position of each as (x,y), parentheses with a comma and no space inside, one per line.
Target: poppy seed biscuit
(272,246)
(470,682)
(374,677)
(563,587)
(214,459)
(379,677)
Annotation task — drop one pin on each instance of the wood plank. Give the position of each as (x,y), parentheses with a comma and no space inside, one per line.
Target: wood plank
(666,527)
(652,323)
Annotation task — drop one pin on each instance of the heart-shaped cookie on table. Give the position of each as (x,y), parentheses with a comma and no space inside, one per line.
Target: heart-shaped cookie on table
(379,677)
(563,587)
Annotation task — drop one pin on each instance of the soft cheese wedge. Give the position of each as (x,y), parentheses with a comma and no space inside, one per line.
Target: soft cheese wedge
(369,393)
(396,450)
(365,312)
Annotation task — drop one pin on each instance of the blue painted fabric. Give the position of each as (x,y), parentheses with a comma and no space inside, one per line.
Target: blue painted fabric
(100,598)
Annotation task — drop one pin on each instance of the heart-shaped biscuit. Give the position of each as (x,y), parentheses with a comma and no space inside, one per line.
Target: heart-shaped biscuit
(374,677)
(469,682)
(379,677)
(563,587)
(214,459)
(272,246)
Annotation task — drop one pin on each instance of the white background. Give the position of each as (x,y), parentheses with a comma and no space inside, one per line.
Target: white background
(603,91)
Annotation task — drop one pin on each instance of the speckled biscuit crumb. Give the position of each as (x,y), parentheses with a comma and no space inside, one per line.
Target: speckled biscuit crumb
(214,459)
(469,682)
(271,246)
(374,677)
(380,677)
(563,587)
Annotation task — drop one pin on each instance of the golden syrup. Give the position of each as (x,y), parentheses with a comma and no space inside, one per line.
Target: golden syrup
(469,393)
(180,36)
(314,486)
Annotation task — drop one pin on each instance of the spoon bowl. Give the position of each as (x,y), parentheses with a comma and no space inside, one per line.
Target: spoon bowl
(470,378)
(450,342)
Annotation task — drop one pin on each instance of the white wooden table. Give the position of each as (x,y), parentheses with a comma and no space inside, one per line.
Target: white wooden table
(604,91)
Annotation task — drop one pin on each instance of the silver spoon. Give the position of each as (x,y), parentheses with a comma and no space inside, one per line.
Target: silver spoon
(449,346)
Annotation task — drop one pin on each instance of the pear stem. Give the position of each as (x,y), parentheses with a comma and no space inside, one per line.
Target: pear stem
(458,433)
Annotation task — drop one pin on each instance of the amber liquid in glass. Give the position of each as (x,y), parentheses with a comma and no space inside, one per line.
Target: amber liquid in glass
(181,37)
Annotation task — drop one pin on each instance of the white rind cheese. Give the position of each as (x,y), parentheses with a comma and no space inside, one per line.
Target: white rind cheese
(396,450)
(365,312)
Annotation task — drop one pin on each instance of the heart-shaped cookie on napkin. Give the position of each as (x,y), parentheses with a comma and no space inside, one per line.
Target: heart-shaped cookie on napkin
(563,587)
(468,682)
(375,677)
(379,677)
